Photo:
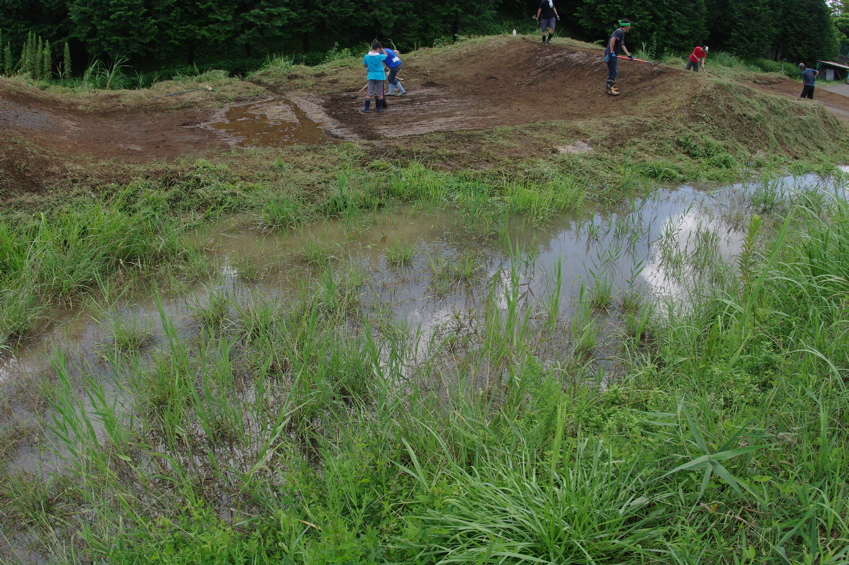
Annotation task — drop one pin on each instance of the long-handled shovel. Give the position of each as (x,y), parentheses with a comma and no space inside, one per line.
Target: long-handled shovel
(638,60)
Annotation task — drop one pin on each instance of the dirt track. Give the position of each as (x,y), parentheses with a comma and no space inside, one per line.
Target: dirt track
(524,82)
(508,81)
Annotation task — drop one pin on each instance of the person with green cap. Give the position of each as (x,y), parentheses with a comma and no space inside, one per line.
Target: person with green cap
(615,44)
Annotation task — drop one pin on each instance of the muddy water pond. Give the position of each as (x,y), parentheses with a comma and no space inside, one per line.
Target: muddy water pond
(432,272)
(272,123)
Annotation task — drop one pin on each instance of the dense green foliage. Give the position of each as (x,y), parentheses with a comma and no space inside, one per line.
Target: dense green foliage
(154,33)
(794,31)
(663,25)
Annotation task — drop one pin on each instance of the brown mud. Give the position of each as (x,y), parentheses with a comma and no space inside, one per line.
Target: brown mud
(48,140)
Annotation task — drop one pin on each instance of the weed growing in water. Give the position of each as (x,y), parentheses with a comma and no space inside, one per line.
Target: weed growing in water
(601,294)
(283,212)
(584,329)
(450,272)
(400,253)
(131,335)
(552,304)
(316,253)
(215,311)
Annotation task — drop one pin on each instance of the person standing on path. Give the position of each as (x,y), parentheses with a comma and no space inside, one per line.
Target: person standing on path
(611,54)
(547,17)
(393,63)
(698,55)
(373,62)
(809,77)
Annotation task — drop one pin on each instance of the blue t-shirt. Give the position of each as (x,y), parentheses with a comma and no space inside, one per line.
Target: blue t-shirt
(808,77)
(619,36)
(374,65)
(392,58)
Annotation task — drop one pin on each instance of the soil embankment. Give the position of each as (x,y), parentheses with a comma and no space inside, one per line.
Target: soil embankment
(477,85)
(514,82)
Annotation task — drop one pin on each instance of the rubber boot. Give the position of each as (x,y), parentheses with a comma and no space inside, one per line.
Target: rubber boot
(401,91)
(368,103)
(391,90)
(543,39)
(379,105)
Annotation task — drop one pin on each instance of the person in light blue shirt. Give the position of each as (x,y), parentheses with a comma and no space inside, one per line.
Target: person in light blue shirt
(393,63)
(373,62)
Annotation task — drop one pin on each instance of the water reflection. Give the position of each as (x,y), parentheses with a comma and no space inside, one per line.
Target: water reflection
(666,247)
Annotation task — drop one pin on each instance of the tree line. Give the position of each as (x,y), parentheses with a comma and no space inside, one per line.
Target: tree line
(162,32)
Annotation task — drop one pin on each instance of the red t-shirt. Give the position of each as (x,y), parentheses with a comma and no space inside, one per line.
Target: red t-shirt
(697,54)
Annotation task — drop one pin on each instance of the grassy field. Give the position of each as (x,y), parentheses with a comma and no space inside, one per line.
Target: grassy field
(310,428)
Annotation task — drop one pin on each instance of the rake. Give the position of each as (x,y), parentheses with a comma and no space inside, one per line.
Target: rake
(639,60)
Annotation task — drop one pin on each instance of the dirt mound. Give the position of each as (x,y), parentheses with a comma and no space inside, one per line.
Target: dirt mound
(507,81)
(46,138)
(480,84)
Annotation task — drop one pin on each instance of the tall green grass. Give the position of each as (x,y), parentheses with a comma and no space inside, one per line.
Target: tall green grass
(312,427)
(65,255)
(341,440)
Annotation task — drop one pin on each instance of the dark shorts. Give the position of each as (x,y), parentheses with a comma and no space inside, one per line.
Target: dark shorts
(547,23)
(808,91)
(691,65)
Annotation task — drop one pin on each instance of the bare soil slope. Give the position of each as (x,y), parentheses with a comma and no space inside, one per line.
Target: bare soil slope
(508,81)
(46,138)
(117,131)
(477,85)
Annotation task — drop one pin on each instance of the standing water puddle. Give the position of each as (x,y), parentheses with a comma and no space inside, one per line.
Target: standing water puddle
(668,247)
(274,123)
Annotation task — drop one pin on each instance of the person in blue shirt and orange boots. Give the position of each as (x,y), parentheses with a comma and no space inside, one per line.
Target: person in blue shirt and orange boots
(373,62)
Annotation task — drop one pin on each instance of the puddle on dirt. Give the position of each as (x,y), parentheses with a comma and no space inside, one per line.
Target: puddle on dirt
(455,269)
(274,123)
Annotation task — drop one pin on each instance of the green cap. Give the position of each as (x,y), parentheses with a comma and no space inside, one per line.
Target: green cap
(623,23)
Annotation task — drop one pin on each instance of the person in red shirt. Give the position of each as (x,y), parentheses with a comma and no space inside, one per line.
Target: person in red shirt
(698,55)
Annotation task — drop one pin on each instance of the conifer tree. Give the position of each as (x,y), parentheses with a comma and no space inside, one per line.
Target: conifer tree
(7,60)
(753,29)
(115,28)
(66,63)
(38,61)
(47,62)
(23,64)
(662,25)
(805,31)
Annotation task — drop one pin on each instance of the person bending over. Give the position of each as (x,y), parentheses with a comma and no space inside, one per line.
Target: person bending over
(698,56)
